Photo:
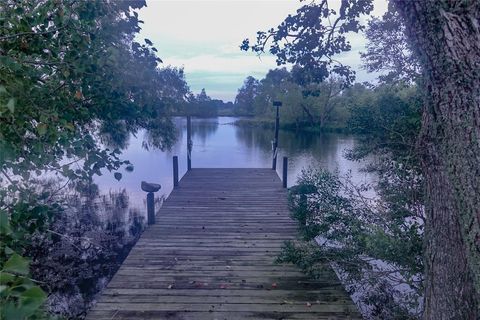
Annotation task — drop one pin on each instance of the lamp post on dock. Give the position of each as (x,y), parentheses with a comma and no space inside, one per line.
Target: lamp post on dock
(189,143)
(276,104)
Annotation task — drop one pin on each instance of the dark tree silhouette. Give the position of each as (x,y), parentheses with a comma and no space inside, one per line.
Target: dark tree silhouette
(246,96)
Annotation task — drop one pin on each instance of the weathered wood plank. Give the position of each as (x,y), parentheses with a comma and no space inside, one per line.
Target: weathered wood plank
(212,255)
(215,315)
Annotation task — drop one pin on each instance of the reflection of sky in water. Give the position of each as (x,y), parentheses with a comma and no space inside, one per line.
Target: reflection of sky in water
(218,143)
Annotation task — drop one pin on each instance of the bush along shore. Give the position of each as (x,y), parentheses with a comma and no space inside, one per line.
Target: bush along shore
(374,247)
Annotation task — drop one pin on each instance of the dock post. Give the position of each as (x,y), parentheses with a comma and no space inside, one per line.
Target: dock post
(175,171)
(189,143)
(150,188)
(285,171)
(150,208)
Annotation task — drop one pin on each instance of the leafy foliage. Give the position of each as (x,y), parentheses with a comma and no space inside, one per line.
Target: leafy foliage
(73,85)
(318,106)
(388,49)
(23,297)
(69,73)
(376,242)
(374,248)
(20,296)
(387,120)
(245,99)
(313,36)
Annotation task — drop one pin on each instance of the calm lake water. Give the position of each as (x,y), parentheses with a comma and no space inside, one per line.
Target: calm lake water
(219,143)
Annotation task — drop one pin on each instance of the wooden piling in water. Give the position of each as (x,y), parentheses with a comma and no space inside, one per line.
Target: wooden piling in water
(150,208)
(175,171)
(285,171)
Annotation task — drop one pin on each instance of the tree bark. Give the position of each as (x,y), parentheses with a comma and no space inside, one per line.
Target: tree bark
(333,89)
(311,118)
(446,36)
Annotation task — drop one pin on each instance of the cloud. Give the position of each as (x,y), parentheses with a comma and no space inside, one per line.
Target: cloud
(212,21)
(223,64)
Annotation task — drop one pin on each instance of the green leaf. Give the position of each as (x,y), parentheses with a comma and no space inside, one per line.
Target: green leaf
(70,126)
(16,264)
(6,277)
(4,223)
(42,129)
(34,293)
(32,299)
(11,105)
(117,176)
(10,312)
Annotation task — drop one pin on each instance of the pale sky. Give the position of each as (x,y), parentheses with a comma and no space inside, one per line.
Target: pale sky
(204,38)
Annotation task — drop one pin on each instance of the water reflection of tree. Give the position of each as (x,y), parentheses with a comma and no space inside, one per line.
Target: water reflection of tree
(160,134)
(323,147)
(115,135)
(255,137)
(202,129)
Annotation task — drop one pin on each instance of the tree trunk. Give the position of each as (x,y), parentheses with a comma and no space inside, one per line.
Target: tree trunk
(446,36)
(311,118)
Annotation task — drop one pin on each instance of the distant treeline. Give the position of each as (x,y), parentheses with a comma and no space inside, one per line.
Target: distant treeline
(327,106)
(201,105)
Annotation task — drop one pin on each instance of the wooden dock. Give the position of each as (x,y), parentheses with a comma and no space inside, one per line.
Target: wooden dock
(211,255)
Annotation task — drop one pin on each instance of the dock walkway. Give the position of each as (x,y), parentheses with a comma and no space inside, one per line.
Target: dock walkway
(211,255)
